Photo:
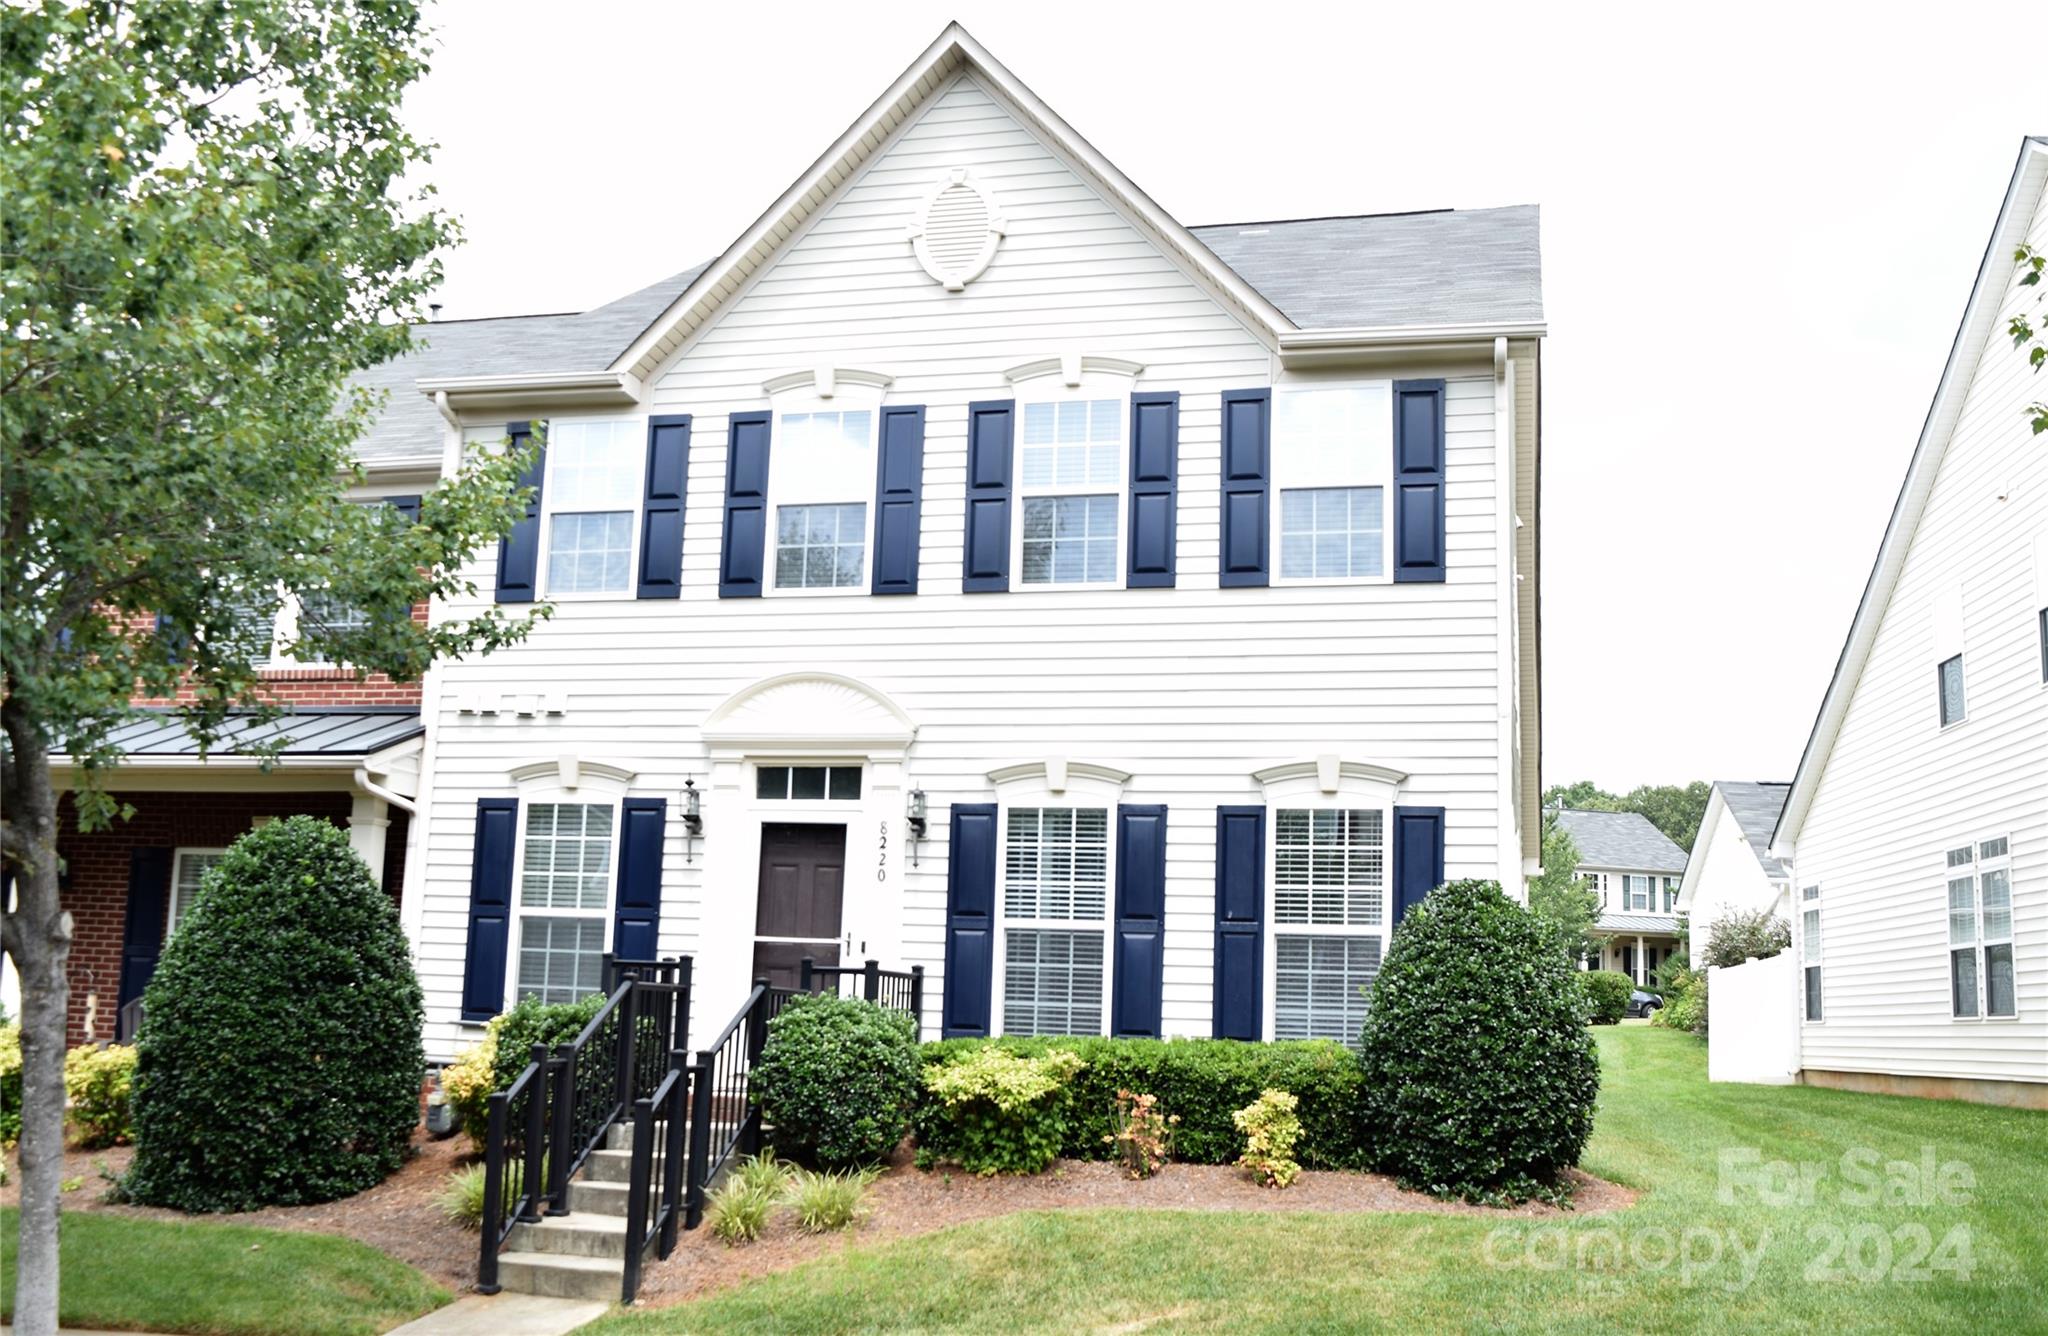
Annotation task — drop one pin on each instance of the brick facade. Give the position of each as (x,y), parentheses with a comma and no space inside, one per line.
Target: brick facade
(311,686)
(97,866)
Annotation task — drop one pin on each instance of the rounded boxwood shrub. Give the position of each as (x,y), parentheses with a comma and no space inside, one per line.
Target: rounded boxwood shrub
(837,1079)
(1607,993)
(279,1060)
(1480,1073)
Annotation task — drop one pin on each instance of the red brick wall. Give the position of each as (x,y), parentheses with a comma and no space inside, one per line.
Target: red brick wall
(312,686)
(96,886)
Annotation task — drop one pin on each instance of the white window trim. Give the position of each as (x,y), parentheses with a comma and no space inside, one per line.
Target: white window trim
(824,390)
(177,909)
(636,508)
(566,779)
(1800,908)
(789,809)
(1330,784)
(1977,866)
(1078,379)
(1055,784)
(1376,470)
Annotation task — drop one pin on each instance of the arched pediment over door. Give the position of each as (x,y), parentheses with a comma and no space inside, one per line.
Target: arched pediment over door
(812,713)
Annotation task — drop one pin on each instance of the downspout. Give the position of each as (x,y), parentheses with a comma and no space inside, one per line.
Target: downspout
(362,781)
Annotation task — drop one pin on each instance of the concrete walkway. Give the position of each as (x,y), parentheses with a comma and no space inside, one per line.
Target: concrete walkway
(505,1315)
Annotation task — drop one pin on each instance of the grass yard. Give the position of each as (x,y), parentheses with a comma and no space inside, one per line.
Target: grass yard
(1792,1236)
(223,1280)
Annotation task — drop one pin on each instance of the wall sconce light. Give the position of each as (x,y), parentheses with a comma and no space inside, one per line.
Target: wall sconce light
(693,819)
(913,816)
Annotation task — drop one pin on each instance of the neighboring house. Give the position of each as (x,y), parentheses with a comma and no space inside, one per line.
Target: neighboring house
(1917,824)
(1731,869)
(974,567)
(1635,869)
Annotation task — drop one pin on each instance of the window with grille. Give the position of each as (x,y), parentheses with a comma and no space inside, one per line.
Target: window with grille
(1810,948)
(1329,876)
(565,883)
(1332,533)
(592,495)
(189,868)
(807,781)
(1070,478)
(821,474)
(1980,956)
(1055,897)
(821,547)
(1332,463)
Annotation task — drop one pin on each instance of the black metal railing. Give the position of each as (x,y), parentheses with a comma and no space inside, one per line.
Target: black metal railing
(654,1193)
(515,1159)
(900,990)
(723,1119)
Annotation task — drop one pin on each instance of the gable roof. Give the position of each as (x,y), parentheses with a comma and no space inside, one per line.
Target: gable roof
(1980,316)
(1624,840)
(1755,807)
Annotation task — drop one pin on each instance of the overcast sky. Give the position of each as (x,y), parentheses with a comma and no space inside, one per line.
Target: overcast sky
(1759,229)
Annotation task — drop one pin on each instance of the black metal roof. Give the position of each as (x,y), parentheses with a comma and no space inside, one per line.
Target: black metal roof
(341,731)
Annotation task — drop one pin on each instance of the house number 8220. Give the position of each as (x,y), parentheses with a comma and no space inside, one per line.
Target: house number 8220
(882,855)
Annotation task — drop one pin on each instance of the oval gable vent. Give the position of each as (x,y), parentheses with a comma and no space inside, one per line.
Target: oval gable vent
(956,231)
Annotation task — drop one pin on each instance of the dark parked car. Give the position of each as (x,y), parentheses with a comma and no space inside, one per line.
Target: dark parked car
(1641,1004)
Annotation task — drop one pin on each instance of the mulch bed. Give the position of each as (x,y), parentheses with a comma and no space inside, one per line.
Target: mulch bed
(401,1217)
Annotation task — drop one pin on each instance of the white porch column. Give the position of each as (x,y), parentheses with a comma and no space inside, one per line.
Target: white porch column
(1640,973)
(368,819)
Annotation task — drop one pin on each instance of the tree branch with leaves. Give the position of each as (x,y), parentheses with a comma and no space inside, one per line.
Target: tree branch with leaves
(2027,336)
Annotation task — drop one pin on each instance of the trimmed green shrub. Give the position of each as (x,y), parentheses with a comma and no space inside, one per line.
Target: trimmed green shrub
(280,1058)
(1202,1081)
(837,1080)
(1270,1131)
(1006,1114)
(1480,1073)
(97,1083)
(10,1084)
(1685,1007)
(1607,993)
(535,1022)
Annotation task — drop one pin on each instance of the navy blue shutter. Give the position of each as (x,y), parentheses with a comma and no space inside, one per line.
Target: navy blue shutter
(1240,922)
(519,549)
(637,917)
(1247,467)
(174,640)
(1419,481)
(408,506)
(1418,855)
(142,928)
(899,489)
(746,506)
(490,909)
(1155,473)
(1140,927)
(970,919)
(987,559)
(661,506)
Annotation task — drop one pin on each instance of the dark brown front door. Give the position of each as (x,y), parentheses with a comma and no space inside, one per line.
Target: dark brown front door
(803,877)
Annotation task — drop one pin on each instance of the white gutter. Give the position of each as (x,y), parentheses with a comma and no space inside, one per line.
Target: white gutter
(601,388)
(1374,336)
(362,779)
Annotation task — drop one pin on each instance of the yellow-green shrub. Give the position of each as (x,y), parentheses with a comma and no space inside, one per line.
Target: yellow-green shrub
(1270,1128)
(10,1084)
(98,1082)
(467,1082)
(1008,1114)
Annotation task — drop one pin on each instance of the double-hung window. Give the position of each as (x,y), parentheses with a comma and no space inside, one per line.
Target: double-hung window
(564,899)
(1670,895)
(1055,899)
(821,481)
(1980,964)
(1809,948)
(592,494)
(1638,888)
(1332,455)
(1070,484)
(1329,919)
(188,871)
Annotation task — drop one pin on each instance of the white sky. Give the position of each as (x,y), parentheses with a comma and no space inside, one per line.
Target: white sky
(1759,229)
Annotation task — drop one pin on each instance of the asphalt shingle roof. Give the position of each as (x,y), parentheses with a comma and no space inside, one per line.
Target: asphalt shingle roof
(1621,840)
(1755,807)
(1448,267)
(354,731)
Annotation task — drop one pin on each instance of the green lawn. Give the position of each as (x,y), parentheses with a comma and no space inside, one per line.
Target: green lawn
(1954,1256)
(223,1280)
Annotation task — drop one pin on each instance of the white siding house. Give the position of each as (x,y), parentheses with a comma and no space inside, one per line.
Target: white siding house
(1917,826)
(1634,868)
(974,568)
(1731,869)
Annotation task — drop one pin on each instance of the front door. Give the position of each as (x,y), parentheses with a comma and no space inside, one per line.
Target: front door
(803,877)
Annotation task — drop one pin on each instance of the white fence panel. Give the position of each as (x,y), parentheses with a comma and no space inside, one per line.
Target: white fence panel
(1753,1021)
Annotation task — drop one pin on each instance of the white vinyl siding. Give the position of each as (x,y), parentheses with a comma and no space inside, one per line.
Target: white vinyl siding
(1329,919)
(1055,897)
(1191,689)
(1896,790)
(564,900)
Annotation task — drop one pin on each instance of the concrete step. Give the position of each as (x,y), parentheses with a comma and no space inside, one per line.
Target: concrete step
(562,1276)
(574,1235)
(589,1196)
(608,1166)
